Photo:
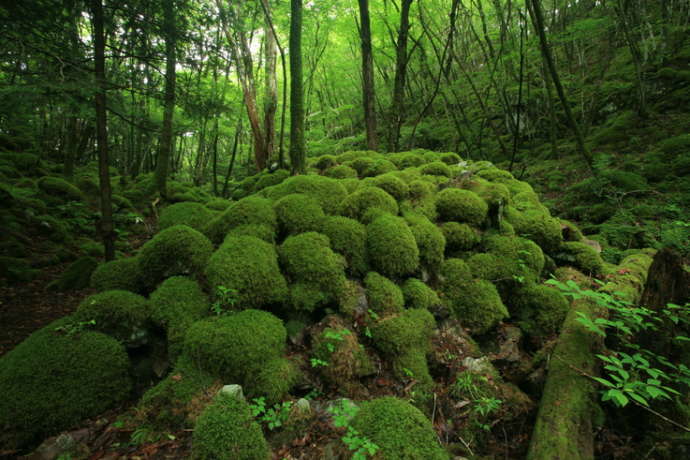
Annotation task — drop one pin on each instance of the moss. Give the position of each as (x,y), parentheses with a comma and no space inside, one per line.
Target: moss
(341,172)
(234,347)
(339,347)
(383,295)
(406,159)
(77,275)
(298,213)
(26,162)
(324,162)
(537,226)
(55,187)
(275,379)
(430,241)
(405,339)
(494,194)
(378,167)
(461,206)
(540,310)
(175,305)
(460,237)
(400,430)
(475,303)
(420,189)
(124,274)
(176,401)
(218,204)
(348,237)
(493,174)
(364,199)
(329,193)
(570,231)
(419,295)
(120,314)
(270,179)
(450,158)
(675,145)
(250,267)
(53,380)
(252,210)
(177,250)
(51,227)
(120,203)
(392,184)
(581,256)
(391,246)
(194,215)
(436,168)
(525,254)
(226,430)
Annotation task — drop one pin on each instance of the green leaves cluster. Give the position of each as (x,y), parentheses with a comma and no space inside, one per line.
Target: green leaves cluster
(360,446)
(274,417)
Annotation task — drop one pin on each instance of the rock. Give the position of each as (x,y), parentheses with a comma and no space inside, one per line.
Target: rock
(233,390)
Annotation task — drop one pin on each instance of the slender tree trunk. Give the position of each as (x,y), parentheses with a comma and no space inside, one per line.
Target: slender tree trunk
(368,91)
(538,20)
(398,107)
(238,132)
(297,149)
(106,222)
(166,142)
(270,95)
(516,137)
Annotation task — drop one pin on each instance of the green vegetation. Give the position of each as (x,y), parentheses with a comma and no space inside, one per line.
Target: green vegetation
(392,247)
(121,314)
(187,213)
(456,205)
(124,274)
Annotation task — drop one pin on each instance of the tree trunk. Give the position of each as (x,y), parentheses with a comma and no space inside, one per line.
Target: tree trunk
(297,151)
(398,107)
(270,95)
(368,92)
(106,223)
(238,132)
(166,142)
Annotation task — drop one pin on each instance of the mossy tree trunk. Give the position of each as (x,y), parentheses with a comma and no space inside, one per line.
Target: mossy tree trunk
(368,94)
(166,142)
(401,58)
(297,153)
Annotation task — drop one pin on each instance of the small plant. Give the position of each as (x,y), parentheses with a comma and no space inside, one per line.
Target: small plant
(360,446)
(226,298)
(483,405)
(338,336)
(316,362)
(141,435)
(275,416)
(72,329)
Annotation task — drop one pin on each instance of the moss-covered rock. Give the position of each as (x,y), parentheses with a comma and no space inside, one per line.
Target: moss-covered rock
(193,215)
(349,238)
(275,379)
(581,256)
(57,188)
(430,241)
(436,168)
(341,172)
(339,347)
(298,213)
(418,295)
(400,430)
(540,310)
(270,179)
(391,246)
(250,267)
(383,295)
(54,379)
(177,250)
(120,314)
(234,347)
(362,200)
(536,225)
(226,430)
(124,274)
(329,193)
(460,237)
(458,205)
(218,204)
(252,210)
(76,276)
(392,184)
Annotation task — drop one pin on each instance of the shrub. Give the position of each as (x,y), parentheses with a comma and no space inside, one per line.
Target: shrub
(419,295)
(540,310)
(436,168)
(341,172)
(226,430)
(391,247)
(194,215)
(461,206)
(349,238)
(460,237)
(55,187)
(298,213)
(247,211)
(124,274)
(234,347)
(178,250)
(430,241)
(384,296)
(250,267)
(120,314)
(400,430)
(329,193)
(53,380)
(364,199)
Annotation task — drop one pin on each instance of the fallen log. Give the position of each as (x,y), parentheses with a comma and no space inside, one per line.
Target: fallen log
(563,429)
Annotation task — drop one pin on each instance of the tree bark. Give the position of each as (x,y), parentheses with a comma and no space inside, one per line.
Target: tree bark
(398,107)
(270,95)
(166,142)
(368,89)
(297,149)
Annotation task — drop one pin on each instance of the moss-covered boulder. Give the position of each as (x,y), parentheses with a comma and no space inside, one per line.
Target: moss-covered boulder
(250,210)
(261,231)
(348,237)
(536,225)
(418,295)
(194,215)
(57,377)
(436,168)
(177,250)
(357,204)
(56,188)
(298,213)
(391,246)
(274,380)
(581,256)
(384,296)
(120,314)
(399,429)
(250,267)
(540,310)
(329,193)
(462,206)
(341,172)
(460,237)
(76,276)
(342,357)
(430,241)
(234,347)
(392,184)
(124,274)
(226,430)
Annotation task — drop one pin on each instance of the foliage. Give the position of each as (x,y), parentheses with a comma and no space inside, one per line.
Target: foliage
(391,246)
(193,215)
(275,416)
(360,446)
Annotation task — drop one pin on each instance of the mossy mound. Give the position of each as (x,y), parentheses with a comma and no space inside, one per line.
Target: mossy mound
(341,172)
(218,204)
(124,274)
(348,237)
(329,193)
(77,275)
(250,267)
(57,189)
(391,246)
(391,184)
(247,211)
(462,206)
(581,256)
(261,231)
(460,237)
(400,430)
(536,225)
(540,310)
(120,314)
(226,430)
(275,379)
(418,295)
(357,204)
(298,213)
(178,250)
(339,349)
(55,379)
(436,168)
(430,241)
(234,347)
(383,295)
(187,213)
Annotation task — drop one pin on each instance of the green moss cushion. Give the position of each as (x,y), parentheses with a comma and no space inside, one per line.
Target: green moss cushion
(250,210)
(193,215)
(391,246)
(53,380)
(364,199)
(124,274)
(121,314)
(298,213)
(329,193)
(461,206)
(383,295)
(348,237)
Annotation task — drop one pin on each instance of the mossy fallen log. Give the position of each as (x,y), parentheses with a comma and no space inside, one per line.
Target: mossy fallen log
(563,429)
